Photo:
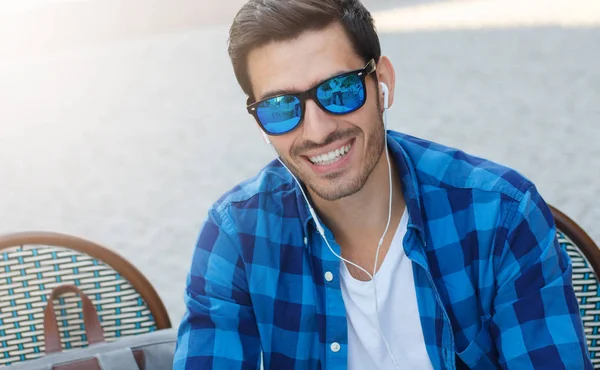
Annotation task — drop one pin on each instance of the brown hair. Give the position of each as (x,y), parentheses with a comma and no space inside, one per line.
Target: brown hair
(262,21)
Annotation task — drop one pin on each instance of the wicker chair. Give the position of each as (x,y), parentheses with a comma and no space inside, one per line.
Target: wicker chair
(33,263)
(585,256)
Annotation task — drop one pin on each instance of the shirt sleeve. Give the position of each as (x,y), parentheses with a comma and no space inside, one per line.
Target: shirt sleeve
(218,330)
(536,323)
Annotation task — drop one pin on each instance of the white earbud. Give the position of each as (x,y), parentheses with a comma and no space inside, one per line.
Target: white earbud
(386,98)
(386,103)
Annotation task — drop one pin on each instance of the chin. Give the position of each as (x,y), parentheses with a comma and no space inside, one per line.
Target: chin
(338,180)
(336,188)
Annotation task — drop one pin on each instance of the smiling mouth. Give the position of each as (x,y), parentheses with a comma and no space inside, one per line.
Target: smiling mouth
(331,157)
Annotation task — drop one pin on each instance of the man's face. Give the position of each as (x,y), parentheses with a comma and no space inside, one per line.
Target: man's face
(297,65)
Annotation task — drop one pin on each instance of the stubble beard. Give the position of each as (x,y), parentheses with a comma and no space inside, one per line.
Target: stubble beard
(340,185)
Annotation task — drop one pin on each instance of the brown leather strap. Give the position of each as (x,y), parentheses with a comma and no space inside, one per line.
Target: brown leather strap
(93,329)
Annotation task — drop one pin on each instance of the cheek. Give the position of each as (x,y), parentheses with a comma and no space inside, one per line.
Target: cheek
(283,145)
(369,121)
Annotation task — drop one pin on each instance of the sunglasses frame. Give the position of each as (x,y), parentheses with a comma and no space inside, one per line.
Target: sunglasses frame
(369,68)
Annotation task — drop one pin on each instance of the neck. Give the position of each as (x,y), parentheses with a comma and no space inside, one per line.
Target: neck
(364,215)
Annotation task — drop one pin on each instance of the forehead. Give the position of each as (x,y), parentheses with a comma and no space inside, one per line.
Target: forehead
(298,64)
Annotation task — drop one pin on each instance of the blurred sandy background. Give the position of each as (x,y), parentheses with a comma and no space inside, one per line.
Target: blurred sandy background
(121,121)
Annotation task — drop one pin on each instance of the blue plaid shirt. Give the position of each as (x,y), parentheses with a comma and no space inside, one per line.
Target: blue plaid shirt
(493,285)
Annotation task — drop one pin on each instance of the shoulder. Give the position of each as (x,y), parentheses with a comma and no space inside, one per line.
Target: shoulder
(443,167)
(268,192)
(462,194)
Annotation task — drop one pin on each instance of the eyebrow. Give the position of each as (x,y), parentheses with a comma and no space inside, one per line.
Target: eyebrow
(274,93)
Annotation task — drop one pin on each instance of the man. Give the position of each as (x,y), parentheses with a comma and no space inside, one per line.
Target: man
(468,273)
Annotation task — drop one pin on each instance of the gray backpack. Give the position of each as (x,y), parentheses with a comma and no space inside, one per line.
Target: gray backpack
(149,351)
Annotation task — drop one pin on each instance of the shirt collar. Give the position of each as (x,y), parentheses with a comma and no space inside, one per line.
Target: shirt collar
(410,184)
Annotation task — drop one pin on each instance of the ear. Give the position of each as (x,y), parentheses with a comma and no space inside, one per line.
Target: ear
(387,75)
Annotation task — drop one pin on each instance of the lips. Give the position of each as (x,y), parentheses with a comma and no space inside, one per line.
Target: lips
(331,160)
(331,157)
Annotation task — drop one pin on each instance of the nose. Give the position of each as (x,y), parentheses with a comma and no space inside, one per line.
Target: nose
(318,125)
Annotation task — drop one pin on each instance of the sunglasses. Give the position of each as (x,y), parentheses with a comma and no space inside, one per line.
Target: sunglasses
(339,95)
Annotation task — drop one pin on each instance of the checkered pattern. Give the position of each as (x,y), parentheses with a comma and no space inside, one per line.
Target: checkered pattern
(585,283)
(27,277)
(493,285)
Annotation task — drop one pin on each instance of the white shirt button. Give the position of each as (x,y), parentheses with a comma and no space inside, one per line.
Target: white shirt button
(335,347)
(328,276)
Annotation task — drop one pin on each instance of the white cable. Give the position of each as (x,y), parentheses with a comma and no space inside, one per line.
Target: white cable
(387,345)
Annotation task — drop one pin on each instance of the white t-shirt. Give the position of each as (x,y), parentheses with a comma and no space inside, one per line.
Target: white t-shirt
(398,313)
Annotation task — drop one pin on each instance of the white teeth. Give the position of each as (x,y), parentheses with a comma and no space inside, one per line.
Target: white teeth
(331,157)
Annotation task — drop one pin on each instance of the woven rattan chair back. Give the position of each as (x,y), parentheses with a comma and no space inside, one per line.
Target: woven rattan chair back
(33,263)
(585,257)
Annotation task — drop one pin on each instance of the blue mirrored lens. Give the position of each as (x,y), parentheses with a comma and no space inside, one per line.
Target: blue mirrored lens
(342,94)
(280,114)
